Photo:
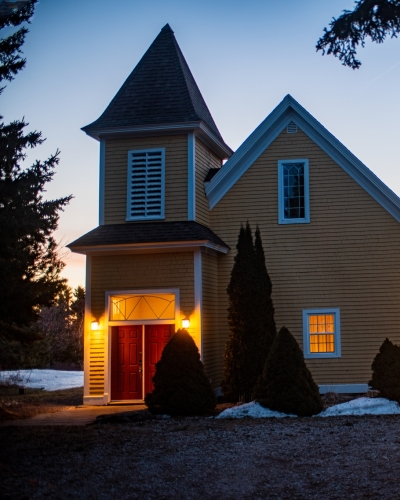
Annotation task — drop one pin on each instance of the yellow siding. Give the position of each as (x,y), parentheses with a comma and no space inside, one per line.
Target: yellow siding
(204,159)
(135,272)
(176,178)
(348,257)
(213,344)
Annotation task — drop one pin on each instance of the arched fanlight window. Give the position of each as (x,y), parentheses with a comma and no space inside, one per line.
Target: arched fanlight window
(142,307)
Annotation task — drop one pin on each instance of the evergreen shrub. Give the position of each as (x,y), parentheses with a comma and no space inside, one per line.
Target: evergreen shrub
(250,318)
(181,386)
(286,384)
(386,371)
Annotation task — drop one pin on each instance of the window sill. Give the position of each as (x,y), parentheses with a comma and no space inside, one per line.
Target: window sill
(322,355)
(294,221)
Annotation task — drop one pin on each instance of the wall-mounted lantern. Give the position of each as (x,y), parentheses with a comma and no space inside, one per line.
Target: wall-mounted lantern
(185,323)
(95,325)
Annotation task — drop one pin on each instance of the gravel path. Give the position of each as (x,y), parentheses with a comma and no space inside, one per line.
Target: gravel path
(334,458)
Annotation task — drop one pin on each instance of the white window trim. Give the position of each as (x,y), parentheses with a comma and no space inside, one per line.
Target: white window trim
(306,334)
(281,197)
(128,194)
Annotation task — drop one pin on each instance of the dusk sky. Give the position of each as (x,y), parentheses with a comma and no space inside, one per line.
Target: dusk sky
(245,57)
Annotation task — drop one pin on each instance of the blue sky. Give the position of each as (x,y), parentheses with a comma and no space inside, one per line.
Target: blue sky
(245,57)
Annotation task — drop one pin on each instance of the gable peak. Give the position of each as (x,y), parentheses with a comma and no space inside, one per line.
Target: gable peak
(160,91)
(167,27)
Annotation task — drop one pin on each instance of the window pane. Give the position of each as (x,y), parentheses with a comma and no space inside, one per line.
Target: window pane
(321,325)
(321,328)
(313,343)
(330,345)
(329,323)
(293,181)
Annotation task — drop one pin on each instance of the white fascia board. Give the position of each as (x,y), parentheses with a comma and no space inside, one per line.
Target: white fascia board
(248,153)
(200,128)
(210,140)
(348,161)
(175,127)
(143,247)
(290,110)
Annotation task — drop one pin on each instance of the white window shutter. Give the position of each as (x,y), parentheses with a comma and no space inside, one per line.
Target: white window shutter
(146,173)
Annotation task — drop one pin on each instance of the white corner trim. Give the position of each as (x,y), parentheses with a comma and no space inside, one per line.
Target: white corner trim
(306,336)
(94,400)
(198,296)
(102,174)
(344,388)
(191,176)
(87,328)
(281,195)
(290,110)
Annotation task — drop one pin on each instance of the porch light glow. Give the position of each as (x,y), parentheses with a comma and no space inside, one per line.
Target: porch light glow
(95,325)
(185,323)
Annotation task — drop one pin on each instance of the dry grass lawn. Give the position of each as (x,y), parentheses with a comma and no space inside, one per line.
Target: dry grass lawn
(15,406)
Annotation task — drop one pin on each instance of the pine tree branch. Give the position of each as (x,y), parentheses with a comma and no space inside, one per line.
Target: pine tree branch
(374,19)
(22,14)
(11,61)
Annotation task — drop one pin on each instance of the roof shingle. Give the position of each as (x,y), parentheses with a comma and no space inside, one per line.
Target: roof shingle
(147,232)
(160,90)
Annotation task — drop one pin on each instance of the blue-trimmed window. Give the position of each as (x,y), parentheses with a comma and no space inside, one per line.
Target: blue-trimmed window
(321,333)
(293,192)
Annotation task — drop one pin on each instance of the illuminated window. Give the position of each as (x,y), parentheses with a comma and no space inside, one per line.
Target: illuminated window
(142,307)
(146,178)
(321,333)
(293,192)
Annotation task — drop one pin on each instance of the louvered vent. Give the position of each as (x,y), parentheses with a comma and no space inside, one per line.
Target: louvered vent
(291,128)
(146,185)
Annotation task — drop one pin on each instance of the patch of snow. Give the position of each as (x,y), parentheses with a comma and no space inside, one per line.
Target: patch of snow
(253,409)
(363,406)
(50,380)
(359,406)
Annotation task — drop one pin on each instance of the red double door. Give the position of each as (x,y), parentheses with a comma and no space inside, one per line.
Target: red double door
(133,359)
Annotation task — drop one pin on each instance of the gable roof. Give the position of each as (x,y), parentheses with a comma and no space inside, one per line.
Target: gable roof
(148,235)
(287,111)
(160,90)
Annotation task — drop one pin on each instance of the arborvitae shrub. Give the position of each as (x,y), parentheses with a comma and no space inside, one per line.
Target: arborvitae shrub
(180,384)
(265,314)
(286,384)
(250,318)
(386,371)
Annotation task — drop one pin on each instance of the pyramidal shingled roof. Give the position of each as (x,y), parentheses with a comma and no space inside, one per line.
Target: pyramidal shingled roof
(160,90)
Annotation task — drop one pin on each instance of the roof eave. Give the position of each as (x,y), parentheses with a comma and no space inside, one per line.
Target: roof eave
(199,127)
(146,247)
